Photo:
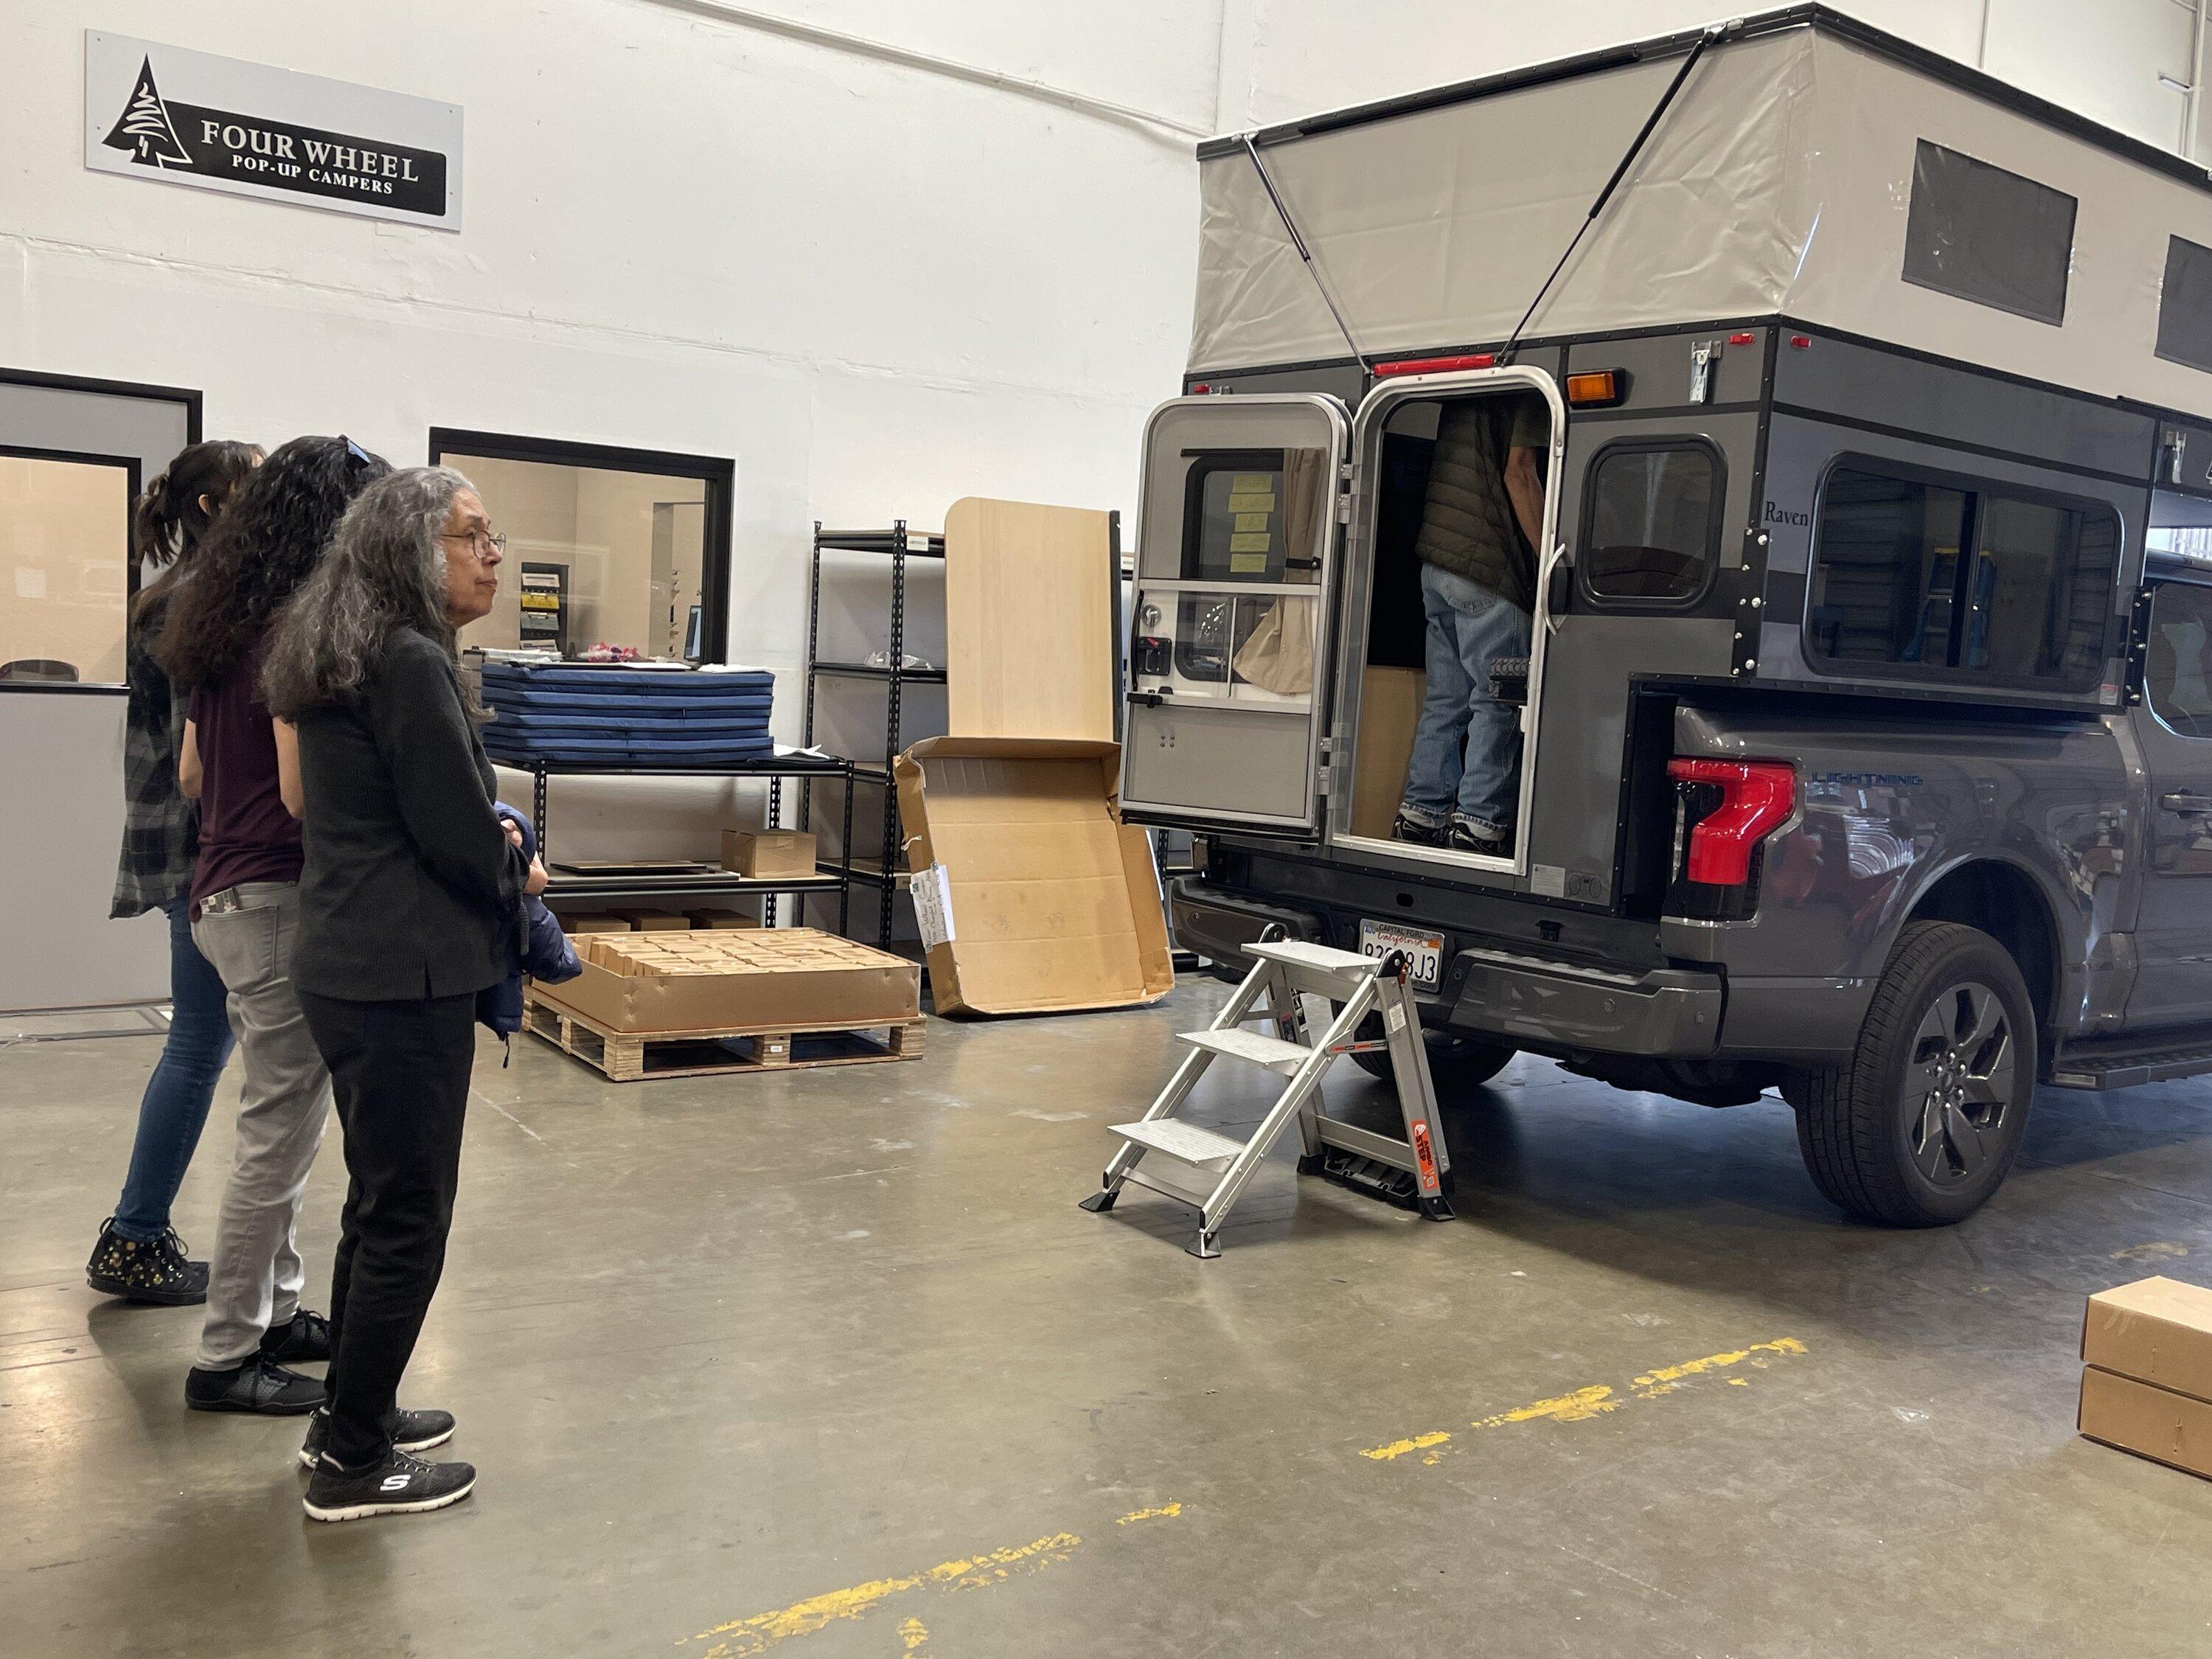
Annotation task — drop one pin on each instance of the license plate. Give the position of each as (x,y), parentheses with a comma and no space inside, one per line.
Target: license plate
(1424,952)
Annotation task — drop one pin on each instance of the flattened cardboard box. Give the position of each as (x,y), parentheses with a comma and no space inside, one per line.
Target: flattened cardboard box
(2151,1422)
(1033,896)
(762,979)
(2156,1330)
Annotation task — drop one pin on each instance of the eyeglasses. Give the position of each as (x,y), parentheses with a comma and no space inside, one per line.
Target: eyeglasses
(478,539)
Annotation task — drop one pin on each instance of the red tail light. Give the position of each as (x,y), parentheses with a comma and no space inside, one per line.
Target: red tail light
(1756,797)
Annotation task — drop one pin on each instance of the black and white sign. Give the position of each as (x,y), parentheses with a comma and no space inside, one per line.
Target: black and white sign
(186,118)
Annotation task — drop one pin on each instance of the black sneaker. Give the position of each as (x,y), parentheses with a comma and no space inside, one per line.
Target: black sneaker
(140,1272)
(414,1432)
(302,1341)
(1403,828)
(1464,837)
(260,1386)
(400,1484)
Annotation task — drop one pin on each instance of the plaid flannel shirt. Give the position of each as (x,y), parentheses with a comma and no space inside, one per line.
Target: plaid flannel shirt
(160,828)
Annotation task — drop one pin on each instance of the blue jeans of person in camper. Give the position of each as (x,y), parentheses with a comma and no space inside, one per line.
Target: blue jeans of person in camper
(1470,626)
(175,1106)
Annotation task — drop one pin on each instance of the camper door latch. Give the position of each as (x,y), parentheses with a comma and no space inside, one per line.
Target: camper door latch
(2177,444)
(1702,356)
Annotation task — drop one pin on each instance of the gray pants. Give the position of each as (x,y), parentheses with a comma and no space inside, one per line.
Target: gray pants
(255,1275)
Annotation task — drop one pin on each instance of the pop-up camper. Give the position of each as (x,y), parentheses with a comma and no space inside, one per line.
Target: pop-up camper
(1865,383)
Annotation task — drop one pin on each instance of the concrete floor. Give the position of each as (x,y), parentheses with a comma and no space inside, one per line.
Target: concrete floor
(831,1362)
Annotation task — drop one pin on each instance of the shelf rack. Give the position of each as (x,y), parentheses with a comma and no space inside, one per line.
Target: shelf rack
(898,545)
(829,878)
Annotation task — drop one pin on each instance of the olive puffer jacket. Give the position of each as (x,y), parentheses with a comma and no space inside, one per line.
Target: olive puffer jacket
(1467,525)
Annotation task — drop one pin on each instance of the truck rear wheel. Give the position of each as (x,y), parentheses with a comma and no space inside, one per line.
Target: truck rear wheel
(1923,1124)
(1455,1061)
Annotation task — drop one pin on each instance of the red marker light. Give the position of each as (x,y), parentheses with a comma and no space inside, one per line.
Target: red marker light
(1201,390)
(1435,365)
(1744,338)
(1800,342)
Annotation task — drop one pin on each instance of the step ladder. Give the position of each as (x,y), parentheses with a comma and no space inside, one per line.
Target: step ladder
(1208,1170)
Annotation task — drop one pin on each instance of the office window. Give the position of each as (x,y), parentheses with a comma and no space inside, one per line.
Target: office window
(2185,304)
(1650,522)
(2178,668)
(598,553)
(66,571)
(1975,583)
(1982,234)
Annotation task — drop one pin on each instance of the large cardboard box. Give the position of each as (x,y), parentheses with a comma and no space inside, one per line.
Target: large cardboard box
(2149,1421)
(657,921)
(594,922)
(711,920)
(1389,710)
(776,979)
(769,854)
(2156,1330)
(1031,894)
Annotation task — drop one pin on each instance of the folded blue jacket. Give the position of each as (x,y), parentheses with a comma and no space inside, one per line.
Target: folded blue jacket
(547,955)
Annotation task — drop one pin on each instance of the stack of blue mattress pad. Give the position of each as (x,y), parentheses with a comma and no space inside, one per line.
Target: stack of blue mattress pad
(587,714)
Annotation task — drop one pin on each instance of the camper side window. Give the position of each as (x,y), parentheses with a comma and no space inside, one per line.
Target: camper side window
(2178,666)
(1651,519)
(2185,304)
(1979,233)
(1975,582)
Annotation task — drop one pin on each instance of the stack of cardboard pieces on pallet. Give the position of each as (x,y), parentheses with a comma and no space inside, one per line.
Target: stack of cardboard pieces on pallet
(2147,1372)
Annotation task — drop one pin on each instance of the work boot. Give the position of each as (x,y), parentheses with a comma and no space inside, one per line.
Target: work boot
(259,1386)
(139,1271)
(411,1432)
(301,1340)
(400,1484)
(1406,828)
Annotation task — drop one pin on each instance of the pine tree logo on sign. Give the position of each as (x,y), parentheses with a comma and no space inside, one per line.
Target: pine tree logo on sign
(144,128)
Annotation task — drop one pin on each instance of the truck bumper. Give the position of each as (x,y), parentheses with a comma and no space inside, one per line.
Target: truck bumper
(1661,1012)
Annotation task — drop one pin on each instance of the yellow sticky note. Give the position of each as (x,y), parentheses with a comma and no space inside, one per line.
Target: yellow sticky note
(1241,482)
(1248,564)
(1252,521)
(1248,543)
(1254,503)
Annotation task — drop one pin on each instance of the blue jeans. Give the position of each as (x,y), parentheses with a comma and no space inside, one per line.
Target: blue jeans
(175,1104)
(1468,626)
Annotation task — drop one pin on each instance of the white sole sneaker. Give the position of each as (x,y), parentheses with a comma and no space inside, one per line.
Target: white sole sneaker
(363,1511)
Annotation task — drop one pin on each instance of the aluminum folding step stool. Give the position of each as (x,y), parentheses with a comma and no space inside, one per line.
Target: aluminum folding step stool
(1208,1170)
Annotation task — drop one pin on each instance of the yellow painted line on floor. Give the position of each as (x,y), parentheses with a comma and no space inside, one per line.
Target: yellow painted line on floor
(742,1638)
(1595,1401)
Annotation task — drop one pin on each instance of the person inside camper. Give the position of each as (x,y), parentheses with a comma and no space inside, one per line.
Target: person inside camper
(1480,522)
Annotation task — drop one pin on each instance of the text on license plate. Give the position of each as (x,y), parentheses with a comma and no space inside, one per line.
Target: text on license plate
(1424,952)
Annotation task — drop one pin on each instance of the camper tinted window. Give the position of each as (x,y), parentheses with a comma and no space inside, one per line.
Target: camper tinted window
(1249,515)
(2185,304)
(1976,583)
(1987,235)
(2178,668)
(1651,522)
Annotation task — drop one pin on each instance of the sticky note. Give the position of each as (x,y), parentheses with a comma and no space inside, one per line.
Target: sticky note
(1248,564)
(1248,543)
(1252,521)
(1242,481)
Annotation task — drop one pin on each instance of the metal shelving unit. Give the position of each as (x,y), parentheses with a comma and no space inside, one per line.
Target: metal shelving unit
(830,877)
(898,545)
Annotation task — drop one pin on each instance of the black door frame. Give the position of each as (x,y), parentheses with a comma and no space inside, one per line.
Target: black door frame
(717,474)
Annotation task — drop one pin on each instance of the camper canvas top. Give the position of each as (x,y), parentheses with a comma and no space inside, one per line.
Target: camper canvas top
(1809,168)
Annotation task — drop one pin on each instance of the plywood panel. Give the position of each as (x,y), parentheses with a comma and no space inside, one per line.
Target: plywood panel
(1029,605)
(1389,709)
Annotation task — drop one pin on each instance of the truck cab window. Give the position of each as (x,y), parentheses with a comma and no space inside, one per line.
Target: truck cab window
(1652,519)
(1970,583)
(2178,668)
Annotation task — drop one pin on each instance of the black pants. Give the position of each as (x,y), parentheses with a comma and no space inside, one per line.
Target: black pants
(400,1074)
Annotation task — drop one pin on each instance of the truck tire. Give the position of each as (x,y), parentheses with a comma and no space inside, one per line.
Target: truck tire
(1923,1124)
(1457,1062)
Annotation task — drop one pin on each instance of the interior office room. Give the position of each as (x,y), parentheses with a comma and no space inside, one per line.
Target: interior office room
(1233,828)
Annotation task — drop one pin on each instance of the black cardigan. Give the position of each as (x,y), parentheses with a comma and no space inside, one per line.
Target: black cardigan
(411,888)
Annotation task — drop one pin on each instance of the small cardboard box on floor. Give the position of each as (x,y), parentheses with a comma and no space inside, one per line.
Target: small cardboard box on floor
(1032,896)
(775,979)
(2147,1372)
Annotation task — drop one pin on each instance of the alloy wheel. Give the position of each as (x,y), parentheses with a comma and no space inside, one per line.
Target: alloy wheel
(1958,1084)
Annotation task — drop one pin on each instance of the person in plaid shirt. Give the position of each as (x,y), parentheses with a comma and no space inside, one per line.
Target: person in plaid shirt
(139,1256)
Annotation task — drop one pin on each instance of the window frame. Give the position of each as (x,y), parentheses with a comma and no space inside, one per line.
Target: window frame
(2154,586)
(2073,225)
(133,470)
(1716,512)
(1976,488)
(717,475)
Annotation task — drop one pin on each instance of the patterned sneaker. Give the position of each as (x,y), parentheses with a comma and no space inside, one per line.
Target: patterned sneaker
(1465,836)
(300,1340)
(1404,827)
(414,1431)
(140,1272)
(400,1484)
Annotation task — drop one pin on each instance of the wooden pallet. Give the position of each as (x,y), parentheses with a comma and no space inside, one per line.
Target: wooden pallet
(631,1056)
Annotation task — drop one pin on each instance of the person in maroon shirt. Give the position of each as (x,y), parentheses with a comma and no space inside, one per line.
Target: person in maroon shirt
(242,766)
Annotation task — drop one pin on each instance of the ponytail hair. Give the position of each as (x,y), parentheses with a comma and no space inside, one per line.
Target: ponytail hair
(169,520)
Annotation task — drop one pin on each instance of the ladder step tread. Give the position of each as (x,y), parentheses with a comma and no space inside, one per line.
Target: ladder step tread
(1326,957)
(1191,1142)
(1271,1052)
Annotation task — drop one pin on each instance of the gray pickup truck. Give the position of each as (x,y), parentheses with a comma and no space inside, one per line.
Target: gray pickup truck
(1866,733)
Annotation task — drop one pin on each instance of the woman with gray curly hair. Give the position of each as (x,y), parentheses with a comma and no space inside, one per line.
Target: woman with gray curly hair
(410,903)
